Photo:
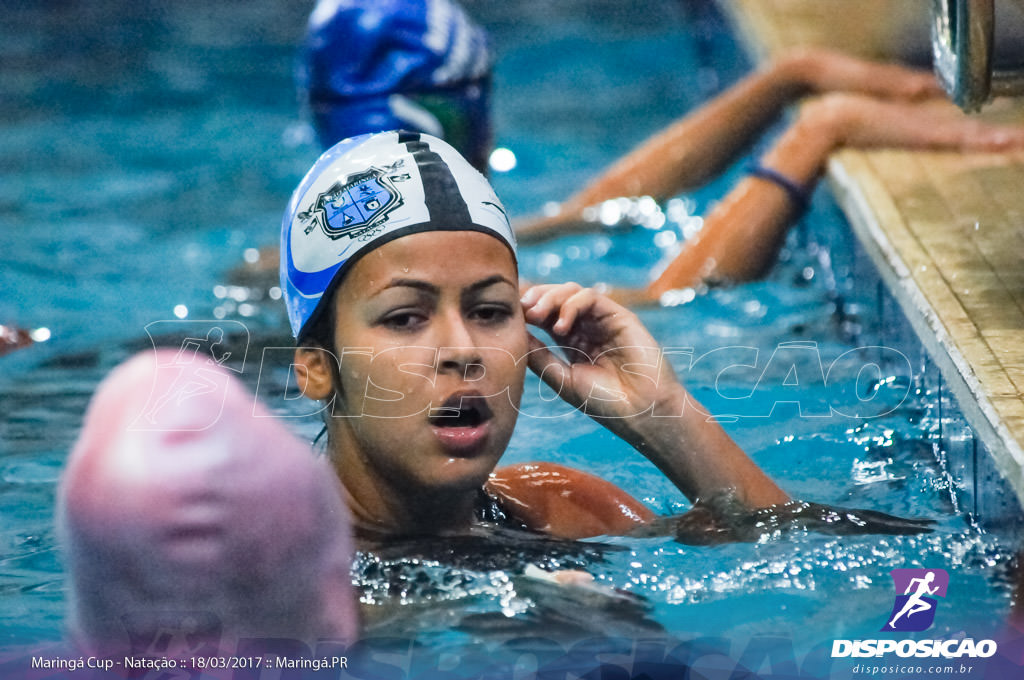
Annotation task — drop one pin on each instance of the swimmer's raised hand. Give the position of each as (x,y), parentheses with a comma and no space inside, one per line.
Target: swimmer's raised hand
(615,372)
(613,368)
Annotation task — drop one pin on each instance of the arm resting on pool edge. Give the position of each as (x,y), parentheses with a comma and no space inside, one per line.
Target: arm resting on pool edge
(615,372)
(701,144)
(743,234)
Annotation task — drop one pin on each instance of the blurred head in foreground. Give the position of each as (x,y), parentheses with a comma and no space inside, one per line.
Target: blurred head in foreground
(185,505)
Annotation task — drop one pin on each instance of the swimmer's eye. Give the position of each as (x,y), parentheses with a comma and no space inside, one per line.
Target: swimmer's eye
(404,320)
(491,313)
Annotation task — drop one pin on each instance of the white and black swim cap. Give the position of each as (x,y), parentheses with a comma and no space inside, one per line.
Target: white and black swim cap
(366,191)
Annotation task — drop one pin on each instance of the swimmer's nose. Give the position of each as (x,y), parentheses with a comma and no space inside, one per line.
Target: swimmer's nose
(458,352)
(462,362)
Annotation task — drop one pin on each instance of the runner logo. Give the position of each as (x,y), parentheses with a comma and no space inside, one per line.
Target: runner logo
(916,590)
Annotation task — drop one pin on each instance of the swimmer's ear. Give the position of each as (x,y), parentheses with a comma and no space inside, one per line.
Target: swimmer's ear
(313,372)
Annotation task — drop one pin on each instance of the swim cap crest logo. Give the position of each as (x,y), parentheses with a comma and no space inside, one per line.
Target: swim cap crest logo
(355,207)
(916,590)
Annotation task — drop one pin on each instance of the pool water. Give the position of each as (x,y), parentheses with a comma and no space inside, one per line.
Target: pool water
(143,153)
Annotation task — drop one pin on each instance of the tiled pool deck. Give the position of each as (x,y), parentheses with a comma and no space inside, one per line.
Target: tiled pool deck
(946,230)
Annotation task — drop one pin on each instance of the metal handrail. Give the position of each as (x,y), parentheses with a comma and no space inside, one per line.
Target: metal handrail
(962,45)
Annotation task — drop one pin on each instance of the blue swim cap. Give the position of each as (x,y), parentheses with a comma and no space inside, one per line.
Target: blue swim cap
(369,190)
(374,65)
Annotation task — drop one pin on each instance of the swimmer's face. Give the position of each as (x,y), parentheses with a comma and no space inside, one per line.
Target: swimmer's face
(431,337)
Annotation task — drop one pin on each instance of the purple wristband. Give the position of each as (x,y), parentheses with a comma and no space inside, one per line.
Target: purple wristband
(799,194)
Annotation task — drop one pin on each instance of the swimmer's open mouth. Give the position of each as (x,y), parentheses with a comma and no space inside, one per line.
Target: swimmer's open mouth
(461,410)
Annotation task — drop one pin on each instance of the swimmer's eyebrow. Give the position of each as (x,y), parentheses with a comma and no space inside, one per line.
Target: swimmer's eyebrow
(411,283)
(489,281)
(435,290)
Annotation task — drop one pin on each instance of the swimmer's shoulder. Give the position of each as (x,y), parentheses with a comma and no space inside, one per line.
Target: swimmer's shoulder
(565,502)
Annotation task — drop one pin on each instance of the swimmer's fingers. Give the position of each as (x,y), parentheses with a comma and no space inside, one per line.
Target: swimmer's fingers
(583,318)
(545,306)
(562,305)
(875,522)
(567,312)
(864,122)
(553,370)
(611,361)
(607,388)
(575,304)
(823,70)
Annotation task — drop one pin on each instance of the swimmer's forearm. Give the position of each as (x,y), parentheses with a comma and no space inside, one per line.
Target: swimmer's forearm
(628,297)
(697,455)
(691,151)
(742,235)
(654,414)
(541,228)
(698,146)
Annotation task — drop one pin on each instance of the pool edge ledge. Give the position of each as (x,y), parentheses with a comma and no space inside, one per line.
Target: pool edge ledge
(962,380)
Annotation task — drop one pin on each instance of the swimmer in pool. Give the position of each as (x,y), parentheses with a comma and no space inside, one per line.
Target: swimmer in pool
(200,523)
(400,278)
